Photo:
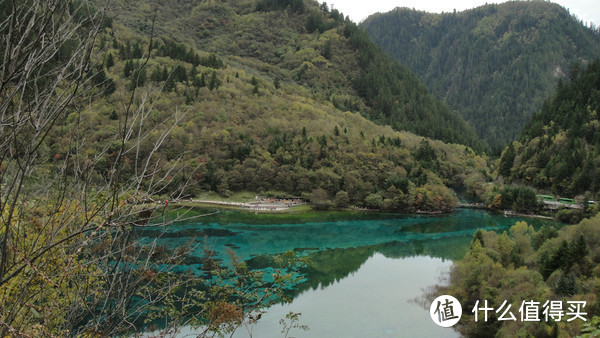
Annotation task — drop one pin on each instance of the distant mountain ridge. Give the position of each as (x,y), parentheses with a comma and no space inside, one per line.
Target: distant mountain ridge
(494,64)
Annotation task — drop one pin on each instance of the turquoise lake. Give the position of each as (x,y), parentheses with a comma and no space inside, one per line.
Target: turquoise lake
(368,272)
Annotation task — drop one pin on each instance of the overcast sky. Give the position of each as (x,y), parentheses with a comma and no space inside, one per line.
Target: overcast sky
(358,10)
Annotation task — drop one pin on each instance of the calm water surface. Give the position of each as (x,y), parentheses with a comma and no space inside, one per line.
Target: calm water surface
(368,272)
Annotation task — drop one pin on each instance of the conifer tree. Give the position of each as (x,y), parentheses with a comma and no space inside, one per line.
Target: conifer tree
(109,61)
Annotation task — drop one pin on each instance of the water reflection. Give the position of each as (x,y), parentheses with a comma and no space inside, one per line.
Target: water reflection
(332,265)
(376,300)
(365,268)
(435,236)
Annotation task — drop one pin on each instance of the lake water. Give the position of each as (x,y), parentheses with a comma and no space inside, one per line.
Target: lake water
(368,271)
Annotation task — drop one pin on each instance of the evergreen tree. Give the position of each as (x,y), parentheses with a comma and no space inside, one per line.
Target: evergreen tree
(109,86)
(137,51)
(212,61)
(128,68)
(156,75)
(327,50)
(99,76)
(201,81)
(214,81)
(579,250)
(254,82)
(478,237)
(180,74)
(170,84)
(507,160)
(165,74)
(141,76)
(138,79)
(109,61)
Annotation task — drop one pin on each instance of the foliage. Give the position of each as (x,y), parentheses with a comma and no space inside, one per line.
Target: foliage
(262,121)
(342,199)
(294,5)
(516,198)
(48,280)
(591,329)
(306,43)
(400,99)
(290,322)
(494,64)
(558,149)
(569,216)
(319,199)
(226,298)
(524,264)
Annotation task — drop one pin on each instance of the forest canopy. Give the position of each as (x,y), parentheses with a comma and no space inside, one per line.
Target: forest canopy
(559,148)
(494,64)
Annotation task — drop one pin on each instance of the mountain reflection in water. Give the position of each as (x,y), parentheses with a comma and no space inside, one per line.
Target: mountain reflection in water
(366,271)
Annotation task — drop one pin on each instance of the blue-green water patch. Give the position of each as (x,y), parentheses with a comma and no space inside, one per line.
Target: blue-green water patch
(384,260)
(224,231)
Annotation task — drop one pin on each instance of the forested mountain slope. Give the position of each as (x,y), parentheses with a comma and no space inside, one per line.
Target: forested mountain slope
(494,64)
(263,99)
(305,43)
(559,149)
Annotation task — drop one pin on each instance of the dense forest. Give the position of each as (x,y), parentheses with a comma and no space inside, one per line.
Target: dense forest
(495,64)
(308,44)
(558,151)
(525,265)
(261,117)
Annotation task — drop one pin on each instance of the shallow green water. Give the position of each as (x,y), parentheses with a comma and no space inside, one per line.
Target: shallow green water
(367,270)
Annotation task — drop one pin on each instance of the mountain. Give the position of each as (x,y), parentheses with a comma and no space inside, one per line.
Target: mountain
(559,149)
(308,44)
(276,96)
(495,64)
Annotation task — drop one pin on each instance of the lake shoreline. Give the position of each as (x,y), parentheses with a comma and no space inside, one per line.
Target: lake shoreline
(517,214)
(302,208)
(244,206)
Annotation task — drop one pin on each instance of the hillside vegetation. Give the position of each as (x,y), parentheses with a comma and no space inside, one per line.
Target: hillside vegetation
(272,103)
(495,64)
(559,149)
(537,267)
(305,43)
